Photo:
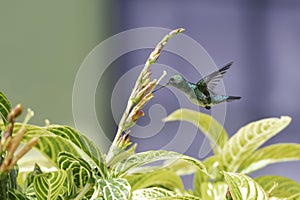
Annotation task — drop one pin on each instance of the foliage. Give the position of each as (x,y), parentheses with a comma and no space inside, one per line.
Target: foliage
(77,169)
(240,156)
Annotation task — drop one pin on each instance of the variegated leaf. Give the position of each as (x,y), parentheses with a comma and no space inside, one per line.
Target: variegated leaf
(54,139)
(243,187)
(213,166)
(4,107)
(48,186)
(271,154)
(83,143)
(115,189)
(143,158)
(213,190)
(162,177)
(81,170)
(242,145)
(16,195)
(156,193)
(280,187)
(50,145)
(206,123)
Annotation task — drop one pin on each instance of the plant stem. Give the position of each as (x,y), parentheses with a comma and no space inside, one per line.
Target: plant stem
(3,188)
(151,59)
(83,191)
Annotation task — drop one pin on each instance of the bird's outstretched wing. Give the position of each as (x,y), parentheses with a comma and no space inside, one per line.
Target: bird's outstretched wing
(209,82)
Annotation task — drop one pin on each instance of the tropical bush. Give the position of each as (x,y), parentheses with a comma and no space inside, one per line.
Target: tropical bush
(75,168)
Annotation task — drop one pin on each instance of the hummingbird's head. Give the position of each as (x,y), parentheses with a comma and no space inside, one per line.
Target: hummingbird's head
(176,80)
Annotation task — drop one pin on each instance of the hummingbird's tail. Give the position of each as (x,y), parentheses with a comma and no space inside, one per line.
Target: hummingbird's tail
(232,98)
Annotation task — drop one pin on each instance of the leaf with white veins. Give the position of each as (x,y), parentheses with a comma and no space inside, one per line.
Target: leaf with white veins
(242,145)
(279,186)
(115,189)
(244,187)
(143,158)
(269,155)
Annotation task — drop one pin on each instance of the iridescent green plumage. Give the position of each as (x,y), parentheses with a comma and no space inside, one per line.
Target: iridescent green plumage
(202,93)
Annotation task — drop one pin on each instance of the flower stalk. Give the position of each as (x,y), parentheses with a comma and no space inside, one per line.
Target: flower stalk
(140,96)
(9,144)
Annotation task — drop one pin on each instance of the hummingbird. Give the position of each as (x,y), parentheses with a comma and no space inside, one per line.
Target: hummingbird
(201,93)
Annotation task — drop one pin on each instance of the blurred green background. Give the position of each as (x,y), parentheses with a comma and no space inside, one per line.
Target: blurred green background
(42,45)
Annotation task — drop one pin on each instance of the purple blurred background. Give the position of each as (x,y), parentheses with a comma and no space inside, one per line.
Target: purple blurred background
(261,37)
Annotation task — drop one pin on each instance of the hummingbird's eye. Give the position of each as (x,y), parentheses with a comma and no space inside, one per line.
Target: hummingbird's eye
(172,80)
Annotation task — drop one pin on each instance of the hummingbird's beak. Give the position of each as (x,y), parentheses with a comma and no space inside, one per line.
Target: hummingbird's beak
(160,87)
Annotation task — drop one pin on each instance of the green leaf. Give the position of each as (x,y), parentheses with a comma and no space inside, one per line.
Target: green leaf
(243,187)
(215,190)
(278,186)
(54,139)
(25,165)
(81,170)
(156,193)
(115,189)
(242,145)
(207,124)
(143,158)
(294,197)
(180,167)
(16,195)
(213,166)
(4,107)
(48,186)
(198,180)
(29,189)
(83,143)
(122,155)
(271,154)
(159,178)
(69,184)
(50,145)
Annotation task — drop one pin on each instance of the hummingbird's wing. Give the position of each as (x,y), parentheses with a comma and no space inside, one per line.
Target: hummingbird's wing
(209,82)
